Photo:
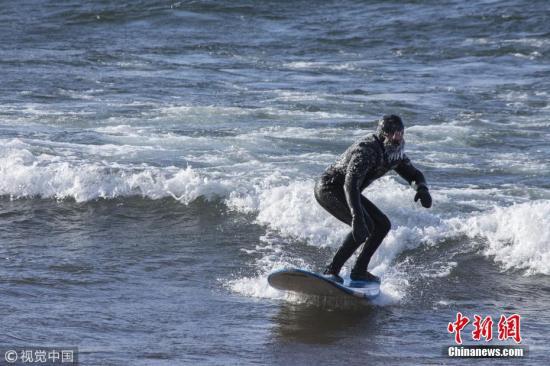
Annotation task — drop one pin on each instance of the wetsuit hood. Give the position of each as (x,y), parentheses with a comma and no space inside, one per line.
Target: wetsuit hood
(389,124)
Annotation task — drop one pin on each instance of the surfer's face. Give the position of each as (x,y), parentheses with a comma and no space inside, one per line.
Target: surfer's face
(394,145)
(395,138)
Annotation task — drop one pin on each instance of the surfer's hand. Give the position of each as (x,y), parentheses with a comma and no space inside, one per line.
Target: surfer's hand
(424,195)
(359,229)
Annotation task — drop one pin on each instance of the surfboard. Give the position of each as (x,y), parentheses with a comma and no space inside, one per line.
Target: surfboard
(310,283)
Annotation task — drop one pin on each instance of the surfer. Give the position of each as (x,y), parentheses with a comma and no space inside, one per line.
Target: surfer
(339,188)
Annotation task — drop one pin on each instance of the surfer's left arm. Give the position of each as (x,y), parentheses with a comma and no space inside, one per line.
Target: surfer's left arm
(416,179)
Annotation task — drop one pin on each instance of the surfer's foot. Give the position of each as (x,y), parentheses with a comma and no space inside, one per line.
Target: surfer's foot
(332,275)
(364,276)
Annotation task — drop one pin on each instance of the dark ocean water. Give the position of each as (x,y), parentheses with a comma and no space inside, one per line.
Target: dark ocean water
(157,162)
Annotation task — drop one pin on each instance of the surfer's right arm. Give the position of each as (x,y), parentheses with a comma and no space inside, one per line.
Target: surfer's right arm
(360,161)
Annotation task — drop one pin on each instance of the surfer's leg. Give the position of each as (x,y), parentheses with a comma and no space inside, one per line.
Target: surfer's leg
(382,226)
(334,201)
(349,245)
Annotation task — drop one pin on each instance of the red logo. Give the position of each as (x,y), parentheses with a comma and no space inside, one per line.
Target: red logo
(482,328)
(457,326)
(508,327)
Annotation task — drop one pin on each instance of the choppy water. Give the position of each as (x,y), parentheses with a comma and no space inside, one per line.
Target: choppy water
(157,161)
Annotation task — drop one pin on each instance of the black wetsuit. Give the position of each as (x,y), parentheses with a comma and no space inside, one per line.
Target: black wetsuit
(339,192)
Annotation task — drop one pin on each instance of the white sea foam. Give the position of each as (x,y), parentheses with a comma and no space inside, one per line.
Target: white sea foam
(517,236)
(445,133)
(519,163)
(273,258)
(81,94)
(310,65)
(439,269)
(301,133)
(117,129)
(534,42)
(297,96)
(23,174)
(203,112)
(208,114)
(530,56)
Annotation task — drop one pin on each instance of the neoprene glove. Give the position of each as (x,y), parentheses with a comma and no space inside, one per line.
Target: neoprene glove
(424,196)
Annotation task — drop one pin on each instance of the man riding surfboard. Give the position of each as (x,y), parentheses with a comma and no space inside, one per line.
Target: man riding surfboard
(339,188)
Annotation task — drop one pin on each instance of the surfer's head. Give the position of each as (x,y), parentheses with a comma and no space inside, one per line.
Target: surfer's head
(391,131)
